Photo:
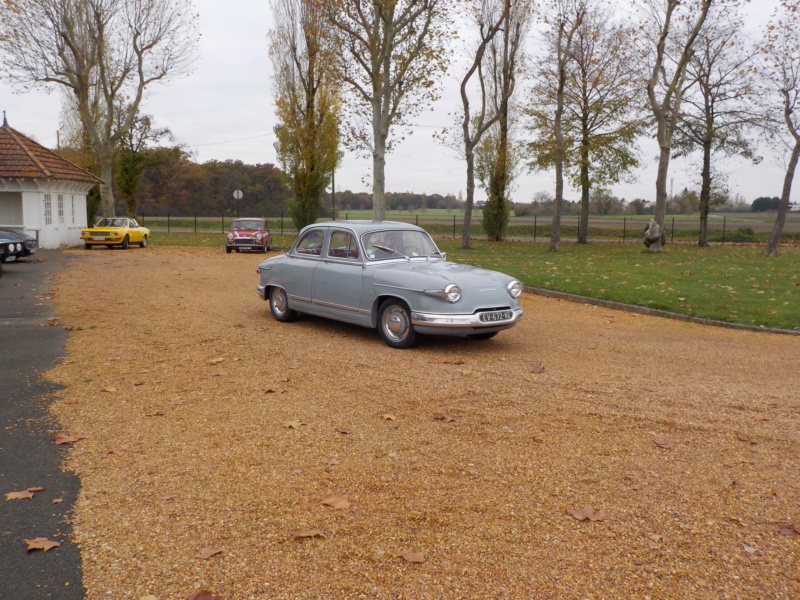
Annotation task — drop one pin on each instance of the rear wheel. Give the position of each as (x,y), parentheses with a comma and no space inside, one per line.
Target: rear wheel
(394,325)
(125,243)
(143,243)
(279,305)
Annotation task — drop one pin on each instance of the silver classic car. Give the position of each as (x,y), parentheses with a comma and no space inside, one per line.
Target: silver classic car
(390,276)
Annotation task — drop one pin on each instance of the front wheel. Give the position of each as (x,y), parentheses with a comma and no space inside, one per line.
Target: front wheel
(125,243)
(279,305)
(143,243)
(87,245)
(394,325)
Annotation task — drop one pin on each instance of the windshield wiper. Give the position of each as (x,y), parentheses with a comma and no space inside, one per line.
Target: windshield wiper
(390,250)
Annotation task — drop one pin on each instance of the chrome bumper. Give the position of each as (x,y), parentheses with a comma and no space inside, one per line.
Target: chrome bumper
(262,291)
(473,320)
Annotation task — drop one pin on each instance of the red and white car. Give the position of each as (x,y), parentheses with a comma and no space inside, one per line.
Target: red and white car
(249,234)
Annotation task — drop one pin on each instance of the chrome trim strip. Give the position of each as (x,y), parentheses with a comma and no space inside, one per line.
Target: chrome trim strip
(308,300)
(397,287)
(339,306)
(473,320)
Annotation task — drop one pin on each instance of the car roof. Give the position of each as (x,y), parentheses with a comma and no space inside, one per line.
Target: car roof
(360,227)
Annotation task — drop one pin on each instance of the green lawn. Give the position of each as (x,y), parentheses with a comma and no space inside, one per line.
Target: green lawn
(728,283)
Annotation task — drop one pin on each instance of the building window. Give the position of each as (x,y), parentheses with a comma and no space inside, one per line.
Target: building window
(60,209)
(48,210)
(73,209)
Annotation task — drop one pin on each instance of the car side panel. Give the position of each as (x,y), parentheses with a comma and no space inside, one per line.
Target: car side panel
(337,291)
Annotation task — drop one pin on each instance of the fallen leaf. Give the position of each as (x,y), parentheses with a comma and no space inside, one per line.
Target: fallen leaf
(57,500)
(343,431)
(274,391)
(656,538)
(293,424)
(337,502)
(158,413)
(333,461)
(215,361)
(109,390)
(35,489)
(413,557)
(63,438)
(41,544)
(744,438)
(662,443)
(537,369)
(452,362)
(749,549)
(588,513)
(53,321)
(24,495)
(201,595)
(443,416)
(151,597)
(39,324)
(206,553)
(388,418)
(307,533)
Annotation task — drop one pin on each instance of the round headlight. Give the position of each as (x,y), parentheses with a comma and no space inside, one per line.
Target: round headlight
(452,292)
(230,236)
(514,288)
(19,247)
(259,237)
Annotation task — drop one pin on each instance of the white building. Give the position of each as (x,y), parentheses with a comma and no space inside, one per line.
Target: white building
(41,193)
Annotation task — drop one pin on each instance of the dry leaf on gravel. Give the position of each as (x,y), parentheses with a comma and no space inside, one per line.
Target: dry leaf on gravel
(63,438)
(206,553)
(23,495)
(201,595)
(109,390)
(293,424)
(215,361)
(337,502)
(588,513)
(389,418)
(305,532)
(537,369)
(413,557)
(443,416)
(343,431)
(41,544)
(333,461)
(662,443)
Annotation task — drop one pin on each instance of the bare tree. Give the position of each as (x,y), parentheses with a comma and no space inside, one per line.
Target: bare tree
(719,114)
(602,110)
(670,34)
(779,66)
(487,16)
(106,52)
(390,53)
(565,19)
(307,104)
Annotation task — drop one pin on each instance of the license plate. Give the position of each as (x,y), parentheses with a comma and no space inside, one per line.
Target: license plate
(491,317)
(98,238)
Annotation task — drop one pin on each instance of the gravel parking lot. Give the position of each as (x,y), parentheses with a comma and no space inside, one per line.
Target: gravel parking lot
(586,453)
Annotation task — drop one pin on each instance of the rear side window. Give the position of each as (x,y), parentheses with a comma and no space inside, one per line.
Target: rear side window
(311,243)
(343,245)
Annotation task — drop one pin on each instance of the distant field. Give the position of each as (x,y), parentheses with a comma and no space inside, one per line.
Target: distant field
(728,227)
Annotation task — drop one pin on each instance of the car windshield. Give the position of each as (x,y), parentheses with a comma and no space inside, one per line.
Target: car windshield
(239,225)
(113,223)
(383,245)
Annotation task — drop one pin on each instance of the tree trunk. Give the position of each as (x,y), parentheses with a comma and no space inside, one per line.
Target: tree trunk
(660,215)
(466,237)
(783,206)
(705,194)
(106,188)
(583,227)
(379,178)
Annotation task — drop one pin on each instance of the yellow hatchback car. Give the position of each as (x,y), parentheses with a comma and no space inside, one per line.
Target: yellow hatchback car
(116,231)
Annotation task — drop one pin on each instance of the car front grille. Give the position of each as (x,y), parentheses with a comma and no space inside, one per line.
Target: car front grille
(244,242)
(100,233)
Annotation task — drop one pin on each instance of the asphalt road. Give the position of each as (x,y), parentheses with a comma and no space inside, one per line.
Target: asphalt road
(28,457)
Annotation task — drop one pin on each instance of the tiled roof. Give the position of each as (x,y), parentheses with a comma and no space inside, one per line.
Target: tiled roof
(21,157)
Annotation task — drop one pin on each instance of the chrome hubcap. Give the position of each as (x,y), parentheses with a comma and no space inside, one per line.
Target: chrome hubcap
(395,323)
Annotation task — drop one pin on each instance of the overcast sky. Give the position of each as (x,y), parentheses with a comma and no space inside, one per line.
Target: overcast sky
(224,110)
